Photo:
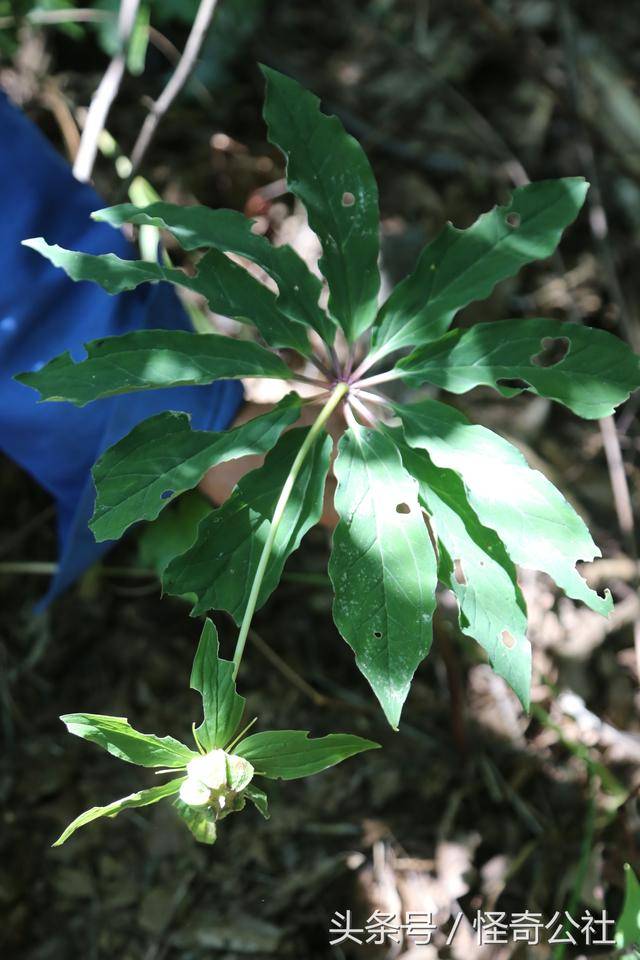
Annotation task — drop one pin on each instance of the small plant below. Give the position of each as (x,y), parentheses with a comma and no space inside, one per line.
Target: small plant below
(423,495)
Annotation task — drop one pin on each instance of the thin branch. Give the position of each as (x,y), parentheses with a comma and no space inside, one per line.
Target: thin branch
(105,94)
(177,81)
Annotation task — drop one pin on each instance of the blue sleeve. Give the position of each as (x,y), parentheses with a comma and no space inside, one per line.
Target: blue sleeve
(43,313)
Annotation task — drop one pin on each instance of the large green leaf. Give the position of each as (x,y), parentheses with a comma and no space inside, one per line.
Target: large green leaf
(212,677)
(143,798)
(231,232)
(464,265)
(220,566)
(228,288)
(162,457)
(149,360)
(382,566)
(329,172)
(474,564)
(289,754)
(536,524)
(628,925)
(172,532)
(596,372)
(118,738)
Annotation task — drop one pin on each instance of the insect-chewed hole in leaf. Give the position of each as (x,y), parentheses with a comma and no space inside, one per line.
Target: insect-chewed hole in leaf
(514,383)
(377,634)
(554,350)
(458,573)
(507,639)
(403,508)
(348,199)
(166,494)
(513,219)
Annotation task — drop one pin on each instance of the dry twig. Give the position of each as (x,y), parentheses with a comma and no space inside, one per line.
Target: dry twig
(105,94)
(177,81)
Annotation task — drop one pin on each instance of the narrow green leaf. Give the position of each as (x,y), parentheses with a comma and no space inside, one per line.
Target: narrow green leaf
(290,754)
(588,370)
(231,232)
(118,738)
(628,925)
(212,677)
(201,821)
(329,172)
(150,360)
(474,564)
(460,266)
(382,566)
(220,566)
(259,799)
(162,457)
(143,798)
(539,529)
(228,288)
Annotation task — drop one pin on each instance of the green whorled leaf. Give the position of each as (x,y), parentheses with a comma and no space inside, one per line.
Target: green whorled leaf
(201,821)
(172,532)
(539,529)
(143,798)
(596,372)
(290,754)
(259,799)
(220,566)
(460,266)
(150,360)
(228,288)
(627,933)
(231,232)
(162,457)
(117,737)
(329,172)
(383,567)
(213,678)
(474,564)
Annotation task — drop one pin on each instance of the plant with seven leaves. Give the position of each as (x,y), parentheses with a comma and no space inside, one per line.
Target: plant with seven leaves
(423,495)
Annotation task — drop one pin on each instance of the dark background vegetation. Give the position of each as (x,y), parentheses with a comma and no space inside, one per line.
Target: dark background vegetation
(472,805)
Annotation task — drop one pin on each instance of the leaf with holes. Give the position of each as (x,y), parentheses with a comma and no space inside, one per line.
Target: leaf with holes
(382,566)
(150,360)
(231,232)
(162,457)
(588,370)
(221,565)
(534,521)
(329,172)
(474,564)
(460,266)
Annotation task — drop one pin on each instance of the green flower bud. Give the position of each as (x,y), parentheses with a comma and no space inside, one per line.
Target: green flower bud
(216,780)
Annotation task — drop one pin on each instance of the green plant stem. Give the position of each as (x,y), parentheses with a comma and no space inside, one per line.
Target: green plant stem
(336,396)
(378,378)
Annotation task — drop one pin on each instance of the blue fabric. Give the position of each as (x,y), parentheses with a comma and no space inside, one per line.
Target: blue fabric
(42,313)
